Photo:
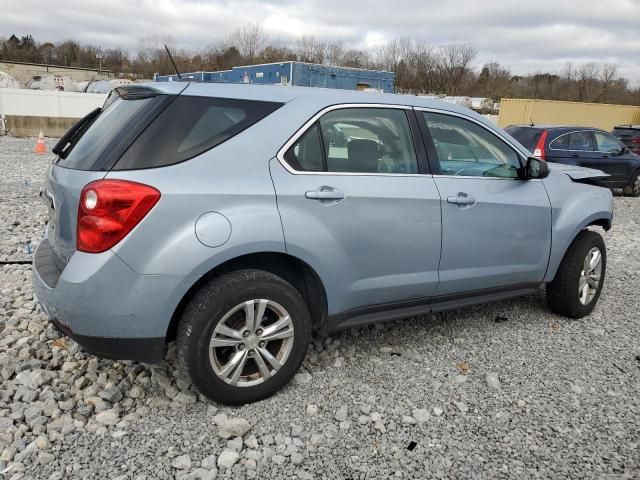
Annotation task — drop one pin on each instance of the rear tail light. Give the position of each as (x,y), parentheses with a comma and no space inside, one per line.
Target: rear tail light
(636,141)
(539,151)
(109,210)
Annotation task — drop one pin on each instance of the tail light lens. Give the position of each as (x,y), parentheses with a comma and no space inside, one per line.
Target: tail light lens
(539,151)
(109,210)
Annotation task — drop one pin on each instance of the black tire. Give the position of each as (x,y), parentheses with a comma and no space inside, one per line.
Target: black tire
(562,292)
(633,189)
(208,307)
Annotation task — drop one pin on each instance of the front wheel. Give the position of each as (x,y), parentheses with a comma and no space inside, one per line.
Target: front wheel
(576,288)
(243,336)
(633,189)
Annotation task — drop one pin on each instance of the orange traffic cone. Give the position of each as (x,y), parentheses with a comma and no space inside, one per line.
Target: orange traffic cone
(41,147)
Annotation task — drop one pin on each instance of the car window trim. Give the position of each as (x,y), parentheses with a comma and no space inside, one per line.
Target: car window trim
(606,134)
(432,154)
(341,106)
(592,132)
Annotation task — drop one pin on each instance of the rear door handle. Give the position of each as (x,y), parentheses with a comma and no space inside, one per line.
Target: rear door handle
(575,155)
(325,193)
(462,199)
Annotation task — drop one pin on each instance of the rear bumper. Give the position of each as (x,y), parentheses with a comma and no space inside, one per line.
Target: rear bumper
(147,350)
(103,305)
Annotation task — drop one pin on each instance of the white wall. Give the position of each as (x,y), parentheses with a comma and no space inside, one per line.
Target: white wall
(48,103)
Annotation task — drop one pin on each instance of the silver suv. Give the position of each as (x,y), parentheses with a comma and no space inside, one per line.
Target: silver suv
(238,219)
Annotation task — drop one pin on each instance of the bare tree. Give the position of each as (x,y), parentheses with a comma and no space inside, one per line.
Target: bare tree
(310,49)
(453,65)
(249,40)
(608,73)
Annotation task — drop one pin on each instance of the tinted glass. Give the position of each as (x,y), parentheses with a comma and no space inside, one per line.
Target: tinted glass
(107,127)
(560,143)
(607,143)
(465,148)
(306,154)
(627,131)
(527,136)
(581,141)
(190,126)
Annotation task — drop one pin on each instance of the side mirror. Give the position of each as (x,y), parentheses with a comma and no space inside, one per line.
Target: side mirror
(536,168)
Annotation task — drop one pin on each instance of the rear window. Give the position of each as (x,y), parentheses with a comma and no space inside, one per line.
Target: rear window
(190,126)
(100,131)
(627,132)
(527,136)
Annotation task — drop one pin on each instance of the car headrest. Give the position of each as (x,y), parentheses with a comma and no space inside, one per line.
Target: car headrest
(363,155)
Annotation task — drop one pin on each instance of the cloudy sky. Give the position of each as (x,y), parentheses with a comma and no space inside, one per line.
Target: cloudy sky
(527,36)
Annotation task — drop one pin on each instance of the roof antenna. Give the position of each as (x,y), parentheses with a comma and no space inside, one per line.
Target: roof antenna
(531,124)
(172,62)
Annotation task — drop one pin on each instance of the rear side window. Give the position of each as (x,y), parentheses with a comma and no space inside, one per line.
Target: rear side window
(560,143)
(356,140)
(582,141)
(306,153)
(190,126)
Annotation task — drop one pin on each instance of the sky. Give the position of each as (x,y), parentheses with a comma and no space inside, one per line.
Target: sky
(527,36)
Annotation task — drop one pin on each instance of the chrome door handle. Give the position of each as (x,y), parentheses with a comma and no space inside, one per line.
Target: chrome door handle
(325,193)
(461,199)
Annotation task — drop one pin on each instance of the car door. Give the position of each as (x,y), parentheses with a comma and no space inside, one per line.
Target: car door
(572,148)
(610,156)
(496,228)
(358,206)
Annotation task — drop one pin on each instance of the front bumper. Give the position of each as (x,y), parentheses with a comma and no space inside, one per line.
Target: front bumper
(103,305)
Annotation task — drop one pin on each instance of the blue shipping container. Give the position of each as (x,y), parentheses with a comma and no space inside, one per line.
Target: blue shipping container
(295,73)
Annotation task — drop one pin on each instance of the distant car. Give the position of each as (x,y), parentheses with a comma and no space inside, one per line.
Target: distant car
(629,135)
(227,217)
(585,147)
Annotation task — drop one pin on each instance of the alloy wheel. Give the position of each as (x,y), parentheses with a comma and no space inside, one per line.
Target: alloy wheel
(251,343)
(590,276)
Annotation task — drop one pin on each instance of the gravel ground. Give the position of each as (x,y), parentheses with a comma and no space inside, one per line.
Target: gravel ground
(457,395)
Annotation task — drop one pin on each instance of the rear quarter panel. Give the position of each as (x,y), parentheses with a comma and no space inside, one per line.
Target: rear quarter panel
(232,179)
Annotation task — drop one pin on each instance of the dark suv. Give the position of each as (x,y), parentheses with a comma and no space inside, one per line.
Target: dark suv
(629,135)
(586,147)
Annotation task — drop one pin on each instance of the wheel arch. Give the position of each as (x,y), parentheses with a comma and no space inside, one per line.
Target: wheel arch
(600,219)
(292,269)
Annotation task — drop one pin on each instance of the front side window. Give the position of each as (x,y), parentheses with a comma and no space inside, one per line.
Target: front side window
(606,143)
(464,148)
(356,140)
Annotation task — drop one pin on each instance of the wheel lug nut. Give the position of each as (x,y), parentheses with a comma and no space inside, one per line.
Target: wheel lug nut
(259,331)
(246,333)
(251,352)
(241,347)
(262,344)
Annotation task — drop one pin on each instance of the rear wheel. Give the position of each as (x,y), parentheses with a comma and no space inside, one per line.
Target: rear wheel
(243,336)
(578,283)
(633,189)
